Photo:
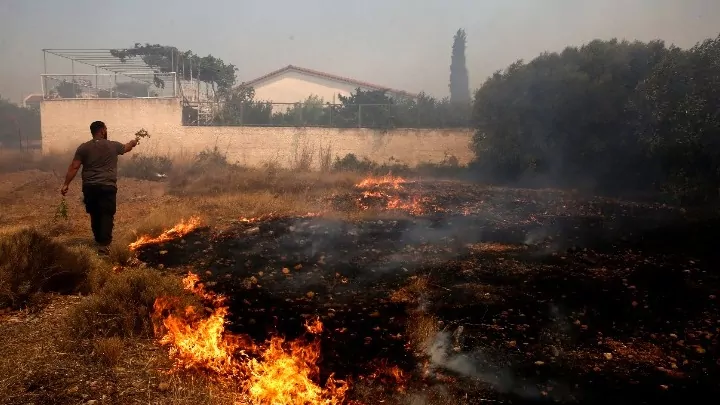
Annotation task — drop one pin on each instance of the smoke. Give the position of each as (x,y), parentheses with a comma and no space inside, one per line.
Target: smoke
(439,350)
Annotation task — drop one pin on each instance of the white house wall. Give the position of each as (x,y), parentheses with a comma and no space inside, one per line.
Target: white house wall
(293,87)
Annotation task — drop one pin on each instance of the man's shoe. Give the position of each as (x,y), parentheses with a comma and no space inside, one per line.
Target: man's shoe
(103,250)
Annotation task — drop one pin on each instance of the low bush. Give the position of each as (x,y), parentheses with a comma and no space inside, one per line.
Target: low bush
(146,167)
(32,263)
(123,305)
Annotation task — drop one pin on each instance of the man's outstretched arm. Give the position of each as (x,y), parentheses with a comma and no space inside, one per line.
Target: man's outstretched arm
(130,145)
(71,172)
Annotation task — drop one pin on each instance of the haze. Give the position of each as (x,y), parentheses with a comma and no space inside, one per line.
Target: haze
(403,44)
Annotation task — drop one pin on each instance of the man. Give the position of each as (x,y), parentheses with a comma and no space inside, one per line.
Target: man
(99,159)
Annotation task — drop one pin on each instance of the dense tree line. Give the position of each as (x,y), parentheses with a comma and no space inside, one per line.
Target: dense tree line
(611,116)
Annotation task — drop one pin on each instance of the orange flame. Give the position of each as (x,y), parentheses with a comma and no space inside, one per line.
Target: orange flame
(274,373)
(314,326)
(286,376)
(388,180)
(177,231)
(196,341)
(414,206)
(390,375)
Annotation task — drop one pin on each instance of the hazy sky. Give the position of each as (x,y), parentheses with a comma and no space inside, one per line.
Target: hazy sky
(397,43)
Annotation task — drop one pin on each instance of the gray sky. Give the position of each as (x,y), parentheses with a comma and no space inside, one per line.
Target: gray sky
(397,43)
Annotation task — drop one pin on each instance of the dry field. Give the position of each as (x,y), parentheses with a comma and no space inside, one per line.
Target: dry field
(234,286)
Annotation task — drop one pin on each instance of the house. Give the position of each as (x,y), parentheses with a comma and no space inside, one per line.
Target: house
(32,101)
(293,84)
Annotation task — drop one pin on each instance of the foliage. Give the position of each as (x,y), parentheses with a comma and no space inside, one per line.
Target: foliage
(363,109)
(370,108)
(66,89)
(311,112)
(459,81)
(618,117)
(17,124)
(62,210)
(240,108)
(146,167)
(133,89)
(165,59)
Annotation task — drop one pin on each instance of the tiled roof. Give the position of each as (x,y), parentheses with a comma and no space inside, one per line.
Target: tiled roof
(311,72)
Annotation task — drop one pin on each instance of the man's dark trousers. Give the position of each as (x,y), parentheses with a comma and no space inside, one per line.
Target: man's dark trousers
(100,203)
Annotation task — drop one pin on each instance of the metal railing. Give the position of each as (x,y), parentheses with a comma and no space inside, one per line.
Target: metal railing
(110,85)
(385,116)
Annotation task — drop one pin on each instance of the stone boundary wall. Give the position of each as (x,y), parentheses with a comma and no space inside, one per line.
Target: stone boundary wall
(66,123)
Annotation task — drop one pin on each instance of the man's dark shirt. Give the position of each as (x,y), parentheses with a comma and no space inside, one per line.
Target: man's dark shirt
(99,159)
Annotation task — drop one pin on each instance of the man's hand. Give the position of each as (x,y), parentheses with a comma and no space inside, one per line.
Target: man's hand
(64,189)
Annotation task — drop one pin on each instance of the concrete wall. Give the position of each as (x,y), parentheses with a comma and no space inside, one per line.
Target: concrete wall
(65,124)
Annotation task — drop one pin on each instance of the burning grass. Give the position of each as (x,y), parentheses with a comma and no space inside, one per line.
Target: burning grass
(178,231)
(475,293)
(276,372)
(445,290)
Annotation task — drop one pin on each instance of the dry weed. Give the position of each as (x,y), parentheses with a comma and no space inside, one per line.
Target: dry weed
(108,351)
(31,262)
(123,305)
(325,156)
(302,159)
(233,179)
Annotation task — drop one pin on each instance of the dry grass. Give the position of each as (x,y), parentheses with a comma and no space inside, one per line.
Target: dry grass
(31,263)
(325,156)
(421,327)
(16,161)
(231,179)
(108,350)
(123,305)
(102,334)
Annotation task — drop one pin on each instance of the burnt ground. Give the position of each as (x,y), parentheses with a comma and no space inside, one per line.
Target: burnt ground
(540,295)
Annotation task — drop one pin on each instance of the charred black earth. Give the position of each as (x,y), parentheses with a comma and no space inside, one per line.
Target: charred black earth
(539,296)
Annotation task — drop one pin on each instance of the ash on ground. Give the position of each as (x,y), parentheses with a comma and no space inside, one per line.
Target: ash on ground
(484,293)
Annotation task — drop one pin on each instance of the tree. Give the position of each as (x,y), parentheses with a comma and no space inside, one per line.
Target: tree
(240,108)
(610,116)
(164,59)
(459,81)
(17,124)
(311,112)
(365,108)
(66,89)
(133,89)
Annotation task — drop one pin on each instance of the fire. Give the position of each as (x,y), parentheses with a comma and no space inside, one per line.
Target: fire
(372,196)
(413,206)
(388,180)
(315,326)
(260,218)
(283,376)
(197,341)
(276,372)
(389,375)
(177,231)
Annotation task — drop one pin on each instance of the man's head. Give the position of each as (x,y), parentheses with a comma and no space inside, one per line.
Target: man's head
(98,130)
